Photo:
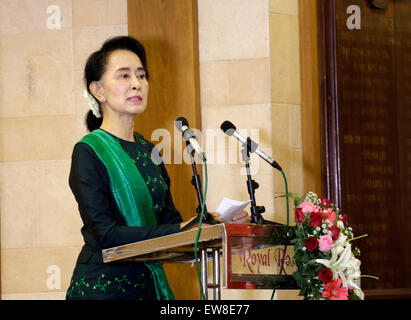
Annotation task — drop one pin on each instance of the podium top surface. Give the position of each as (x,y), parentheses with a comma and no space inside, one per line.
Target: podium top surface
(181,241)
(179,246)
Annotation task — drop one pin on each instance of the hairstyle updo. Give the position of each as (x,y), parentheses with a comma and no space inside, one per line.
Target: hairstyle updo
(96,66)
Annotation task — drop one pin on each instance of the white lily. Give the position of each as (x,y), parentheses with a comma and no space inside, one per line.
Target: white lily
(337,264)
(342,240)
(359,293)
(345,266)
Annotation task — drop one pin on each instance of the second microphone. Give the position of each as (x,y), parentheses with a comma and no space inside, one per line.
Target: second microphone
(181,124)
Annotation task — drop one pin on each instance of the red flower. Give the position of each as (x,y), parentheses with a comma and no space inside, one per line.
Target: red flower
(344,219)
(330,215)
(325,203)
(325,275)
(334,291)
(316,219)
(299,215)
(335,232)
(311,244)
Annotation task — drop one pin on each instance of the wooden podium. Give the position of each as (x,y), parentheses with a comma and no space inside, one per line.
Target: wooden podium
(252,255)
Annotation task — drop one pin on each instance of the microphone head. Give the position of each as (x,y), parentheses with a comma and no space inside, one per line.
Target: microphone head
(228,128)
(180,122)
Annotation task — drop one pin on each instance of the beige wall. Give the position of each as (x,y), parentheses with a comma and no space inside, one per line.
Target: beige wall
(249,74)
(41,114)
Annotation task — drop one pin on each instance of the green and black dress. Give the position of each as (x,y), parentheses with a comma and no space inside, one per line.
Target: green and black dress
(105,226)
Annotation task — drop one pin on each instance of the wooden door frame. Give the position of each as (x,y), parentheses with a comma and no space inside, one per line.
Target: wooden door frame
(330,136)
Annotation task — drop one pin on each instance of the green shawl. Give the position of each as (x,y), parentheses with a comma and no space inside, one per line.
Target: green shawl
(130,193)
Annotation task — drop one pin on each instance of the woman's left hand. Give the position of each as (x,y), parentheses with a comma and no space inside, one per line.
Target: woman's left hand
(239,218)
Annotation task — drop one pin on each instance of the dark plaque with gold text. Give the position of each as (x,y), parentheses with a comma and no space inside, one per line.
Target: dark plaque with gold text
(373,107)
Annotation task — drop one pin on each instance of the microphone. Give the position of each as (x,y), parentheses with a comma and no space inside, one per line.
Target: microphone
(181,124)
(230,130)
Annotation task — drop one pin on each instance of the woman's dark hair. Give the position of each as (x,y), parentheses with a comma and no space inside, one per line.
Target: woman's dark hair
(96,66)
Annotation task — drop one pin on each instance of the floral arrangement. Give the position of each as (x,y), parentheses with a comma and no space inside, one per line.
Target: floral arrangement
(328,267)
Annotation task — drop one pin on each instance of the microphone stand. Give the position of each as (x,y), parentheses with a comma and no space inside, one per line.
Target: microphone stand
(256,211)
(196,182)
(251,184)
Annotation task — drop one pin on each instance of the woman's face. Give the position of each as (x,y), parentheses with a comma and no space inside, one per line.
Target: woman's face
(124,86)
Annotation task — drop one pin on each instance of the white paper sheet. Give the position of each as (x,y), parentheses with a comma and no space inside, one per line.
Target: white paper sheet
(228,208)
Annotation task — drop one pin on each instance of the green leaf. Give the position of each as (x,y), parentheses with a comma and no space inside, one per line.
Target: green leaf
(313,255)
(289,195)
(353,297)
(298,276)
(298,245)
(296,197)
(305,256)
(299,232)
(299,255)
(304,292)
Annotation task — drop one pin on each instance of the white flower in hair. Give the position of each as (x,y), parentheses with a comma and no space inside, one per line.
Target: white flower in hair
(92,104)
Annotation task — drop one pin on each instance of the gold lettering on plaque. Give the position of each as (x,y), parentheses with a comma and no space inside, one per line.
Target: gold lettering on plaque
(377,183)
(374,155)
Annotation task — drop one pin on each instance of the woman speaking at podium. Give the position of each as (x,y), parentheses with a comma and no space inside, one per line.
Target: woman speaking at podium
(123,195)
